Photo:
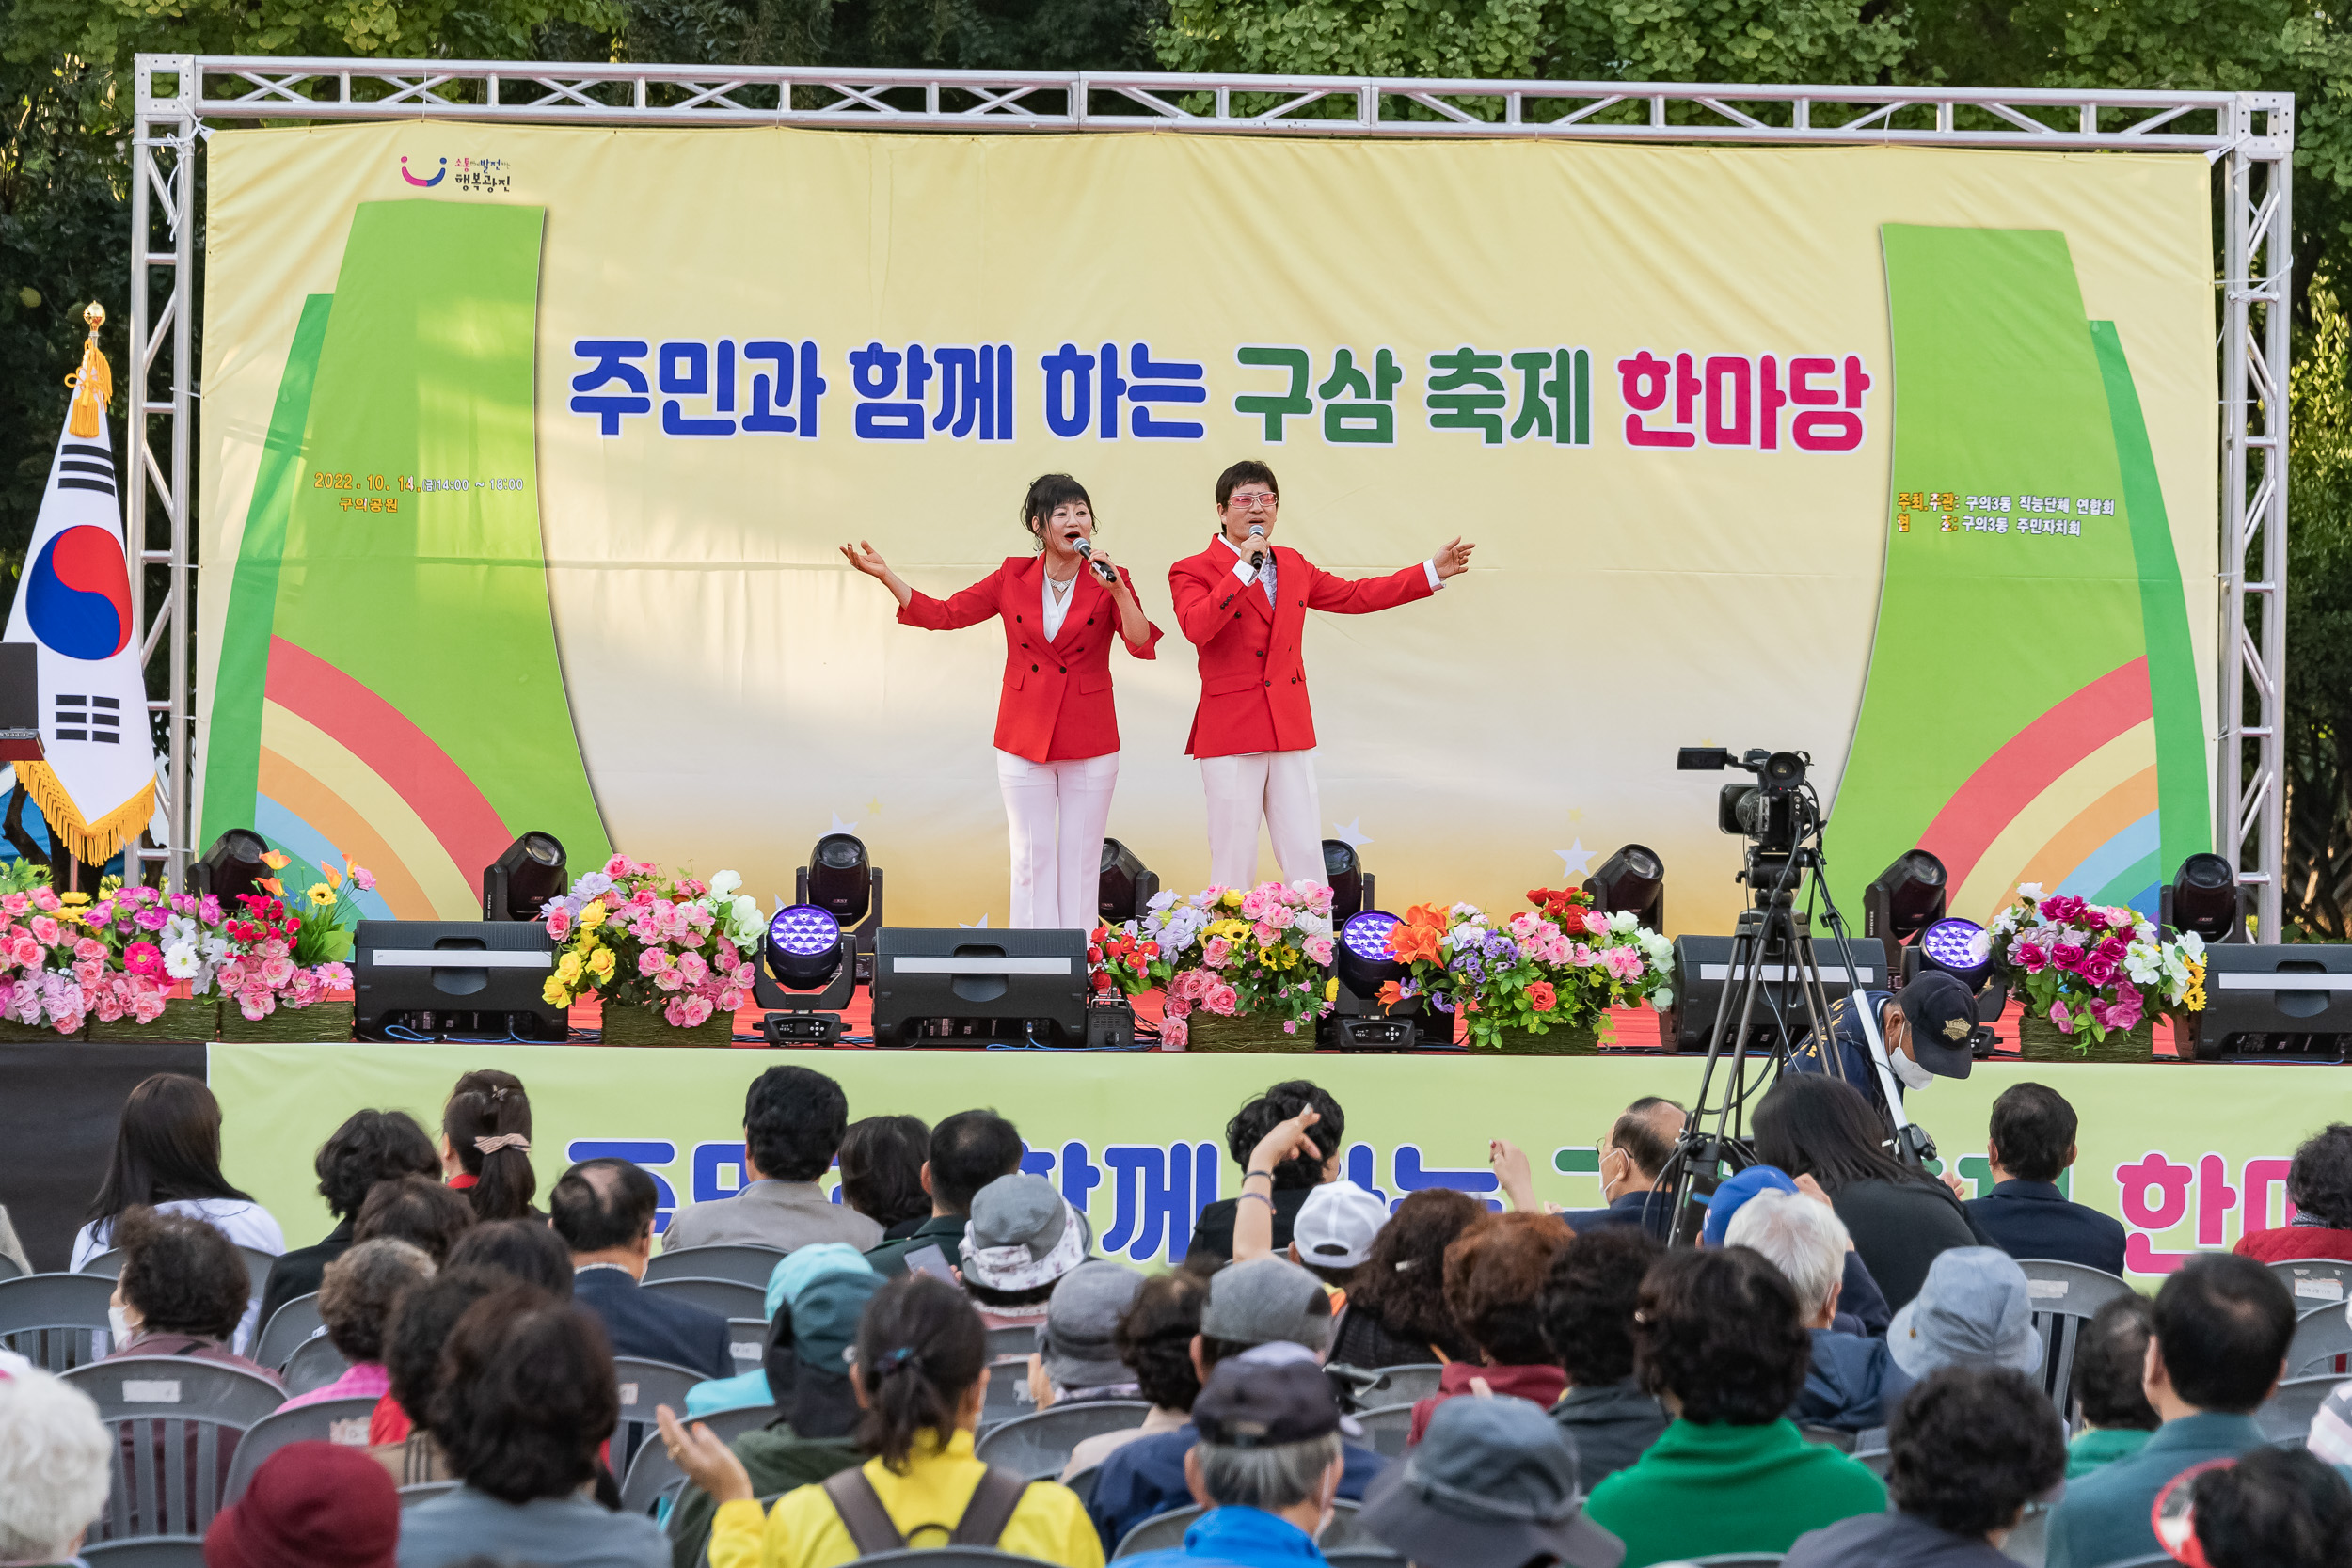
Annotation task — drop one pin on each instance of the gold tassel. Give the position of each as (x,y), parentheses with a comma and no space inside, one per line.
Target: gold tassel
(93,384)
(92,843)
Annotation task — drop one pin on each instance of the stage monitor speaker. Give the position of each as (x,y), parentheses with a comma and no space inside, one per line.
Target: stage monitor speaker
(445,978)
(980,988)
(20,702)
(2273,1004)
(1702,966)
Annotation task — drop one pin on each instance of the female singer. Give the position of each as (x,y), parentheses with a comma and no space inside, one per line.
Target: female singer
(1056,727)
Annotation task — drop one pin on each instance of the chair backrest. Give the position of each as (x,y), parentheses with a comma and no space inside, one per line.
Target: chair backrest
(1828,1438)
(1082,1482)
(1374,1556)
(165,1476)
(1008,1398)
(747,1343)
(1742,1559)
(2064,1298)
(729,1298)
(287,1328)
(314,1363)
(2319,1337)
(342,1422)
(2289,1410)
(645,1385)
(1019,1340)
(949,1557)
(1344,1531)
(1161,1532)
(1870,1449)
(127,1385)
(1037,1445)
(2029,1543)
(425,1491)
(108,1262)
(162,1551)
(56,1320)
(653,1474)
(1402,1385)
(1386,1428)
(745,1265)
(2314,1281)
(257,1266)
(8,1269)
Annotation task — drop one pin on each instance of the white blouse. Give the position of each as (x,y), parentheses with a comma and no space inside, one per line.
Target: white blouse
(1057,605)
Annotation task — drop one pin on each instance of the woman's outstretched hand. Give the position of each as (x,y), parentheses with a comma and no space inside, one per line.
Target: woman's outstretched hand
(865,559)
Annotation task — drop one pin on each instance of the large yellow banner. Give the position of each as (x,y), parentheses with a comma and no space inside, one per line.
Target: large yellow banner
(527,453)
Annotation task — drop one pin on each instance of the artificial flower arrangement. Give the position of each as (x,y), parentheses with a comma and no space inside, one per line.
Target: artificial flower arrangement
(1225,953)
(2092,970)
(673,947)
(1558,966)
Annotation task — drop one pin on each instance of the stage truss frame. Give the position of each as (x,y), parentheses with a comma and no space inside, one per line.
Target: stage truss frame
(2252,133)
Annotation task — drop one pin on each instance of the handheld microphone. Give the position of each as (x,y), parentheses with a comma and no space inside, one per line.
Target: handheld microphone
(1257,531)
(1086,553)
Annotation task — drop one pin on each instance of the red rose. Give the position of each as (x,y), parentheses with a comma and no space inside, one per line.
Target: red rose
(1151,949)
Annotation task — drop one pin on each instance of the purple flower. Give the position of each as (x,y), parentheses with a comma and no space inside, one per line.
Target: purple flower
(1466,963)
(1502,949)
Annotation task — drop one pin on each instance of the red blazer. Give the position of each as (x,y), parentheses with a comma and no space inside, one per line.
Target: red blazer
(1253,686)
(1057,703)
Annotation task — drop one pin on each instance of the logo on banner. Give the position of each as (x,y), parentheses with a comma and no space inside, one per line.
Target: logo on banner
(441,174)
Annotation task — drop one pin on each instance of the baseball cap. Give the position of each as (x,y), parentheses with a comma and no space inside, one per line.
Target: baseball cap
(1491,1480)
(1724,1200)
(1021,1235)
(1080,1317)
(1336,1226)
(1973,1311)
(1266,1299)
(1943,1016)
(311,1505)
(1255,1404)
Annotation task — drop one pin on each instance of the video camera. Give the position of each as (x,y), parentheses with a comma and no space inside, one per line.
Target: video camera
(1774,811)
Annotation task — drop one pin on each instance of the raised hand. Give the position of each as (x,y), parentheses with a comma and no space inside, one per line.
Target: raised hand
(1453,560)
(866,558)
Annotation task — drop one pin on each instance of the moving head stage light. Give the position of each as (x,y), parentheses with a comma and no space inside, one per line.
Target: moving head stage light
(2204,898)
(804,950)
(1634,879)
(1127,885)
(527,876)
(843,881)
(1362,961)
(1351,884)
(231,867)
(464,979)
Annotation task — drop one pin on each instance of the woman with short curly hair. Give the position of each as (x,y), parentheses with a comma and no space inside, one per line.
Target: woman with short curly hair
(183,1290)
(357,1300)
(1718,1340)
(2319,1185)
(1494,1284)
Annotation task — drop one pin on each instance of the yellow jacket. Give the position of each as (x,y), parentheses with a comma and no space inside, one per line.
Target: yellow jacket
(804,1531)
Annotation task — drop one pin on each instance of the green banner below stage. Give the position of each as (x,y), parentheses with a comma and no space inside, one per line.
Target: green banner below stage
(2188,1157)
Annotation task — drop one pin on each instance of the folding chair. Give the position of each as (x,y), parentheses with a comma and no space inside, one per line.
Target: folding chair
(2064,1298)
(745,1265)
(8,1269)
(127,1385)
(2314,1281)
(257,1266)
(344,1422)
(287,1328)
(1387,1428)
(653,1474)
(314,1363)
(2287,1414)
(1344,1531)
(57,1321)
(1008,1396)
(1159,1533)
(747,1343)
(729,1298)
(645,1385)
(165,1476)
(161,1551)
(2319,1337)
(947,1556)
(2029,1543)
(1037,1445)
(1403,1385)
(1019,1340)
(425,1491)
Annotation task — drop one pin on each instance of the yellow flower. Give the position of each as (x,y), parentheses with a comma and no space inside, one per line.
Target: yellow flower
(567,969)
(1231,900)
(554,994)
(593,916)
(601,965)
(322,894)
(1332,990)
(73,898)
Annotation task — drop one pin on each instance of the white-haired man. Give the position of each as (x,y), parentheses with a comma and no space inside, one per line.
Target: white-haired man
(1854,1381)
(53,1466)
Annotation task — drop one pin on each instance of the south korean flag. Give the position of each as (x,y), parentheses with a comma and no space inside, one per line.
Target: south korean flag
(97,787)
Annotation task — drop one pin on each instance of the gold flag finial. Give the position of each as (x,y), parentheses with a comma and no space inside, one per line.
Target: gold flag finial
(93,383)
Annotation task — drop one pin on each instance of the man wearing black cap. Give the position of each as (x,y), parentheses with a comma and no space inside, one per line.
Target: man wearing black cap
(1926,1028)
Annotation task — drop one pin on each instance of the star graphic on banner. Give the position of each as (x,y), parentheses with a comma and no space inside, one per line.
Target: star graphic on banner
(1576,814)
(1574,860)
(873,807)
(979,924)
(1350,832)
(841,826)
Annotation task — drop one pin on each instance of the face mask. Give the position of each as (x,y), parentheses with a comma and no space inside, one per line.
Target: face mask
(119,1323)
(1908,1072)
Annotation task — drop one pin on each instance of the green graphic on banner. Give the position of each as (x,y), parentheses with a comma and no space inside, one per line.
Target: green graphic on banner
(389,672)
(2031,603)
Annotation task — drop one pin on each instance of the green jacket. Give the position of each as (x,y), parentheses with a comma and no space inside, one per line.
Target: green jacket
(778,1461)
(890,1258)
(2103,1446)
(1700,1490)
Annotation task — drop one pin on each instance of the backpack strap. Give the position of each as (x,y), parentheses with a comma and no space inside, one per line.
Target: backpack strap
(861,1509)
(991,1508)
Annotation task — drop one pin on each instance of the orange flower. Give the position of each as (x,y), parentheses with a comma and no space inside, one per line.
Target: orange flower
(274,860)
(1409,943)
(1428,916)
(1390,993)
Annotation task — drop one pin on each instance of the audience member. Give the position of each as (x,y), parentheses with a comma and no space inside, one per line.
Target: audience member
(1154,1340)
(2031,1144)
(2330,1436)
(882,1173)
(1632,1157)
(1291,1180)
(2217,1347)
(1076,1359)
(1396,1314)
(422,1320)
(183,1290)
(1900,1217)
(1971,1448)
(603,1210)
(310,1505)
(2276,1508)
(53,1457)
(1492,1485)
(921,1369)
(1269,1305)
(1333,1234)
(526,1397)
(166,1156)
(486,1144)
(1861,1307)
(356,1303)
(2319,1184)
(1717,1337)
(1266,1464)
(1974,1310)
(417,1209)
(370,1147)
(1853,1382)
(529,1250)
(793,1123)
(1494,1280)
(2110,1354)
(815,1298)
(969,1150)
(1022,1237)
(1588,1302)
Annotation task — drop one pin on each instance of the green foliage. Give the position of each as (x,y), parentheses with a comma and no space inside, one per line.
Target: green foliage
(109,32)
(2318,738)
(956,35)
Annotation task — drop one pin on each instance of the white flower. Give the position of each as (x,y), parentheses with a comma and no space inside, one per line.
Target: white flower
(1662,998)
(1467,912)
(2031,890)
(725,883)
(1161,900)
(181,960)
(1624,922)
(177,930)
(591,885)
(2192,944)
(742,920)
(1313,925)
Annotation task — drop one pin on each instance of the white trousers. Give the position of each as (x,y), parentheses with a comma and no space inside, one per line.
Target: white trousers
(1057,812)
(1278,787)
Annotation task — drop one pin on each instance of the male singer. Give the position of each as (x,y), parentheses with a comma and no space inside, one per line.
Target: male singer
(1243,602)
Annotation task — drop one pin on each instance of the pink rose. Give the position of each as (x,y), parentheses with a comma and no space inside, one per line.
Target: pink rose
(2125,1012)
(1595,924)
(150,919)
(1221,1000)
(1214,951)
(147,1009)
(2067,956)
(2059,1016)
(1266,934)
(1624,963)
(2030,957)
(559,922)
(729,1000)
(90,948)
(651,962)
(44,898)
(13,905)
(2063,910)
(2111,948)
(86,971)
(691,971)
(277,971)
(1173,1032)
(44,930)
(2099,971)
(1319,951)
